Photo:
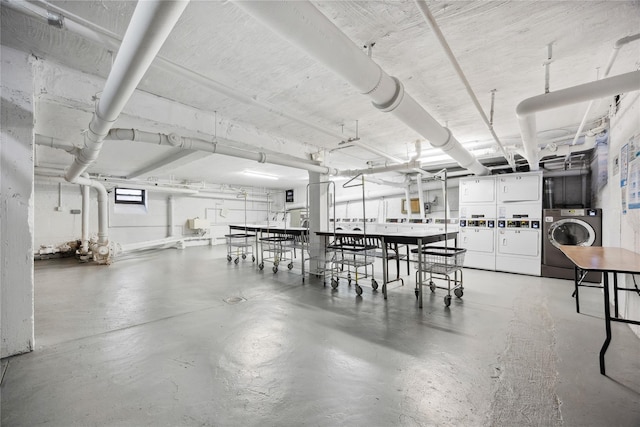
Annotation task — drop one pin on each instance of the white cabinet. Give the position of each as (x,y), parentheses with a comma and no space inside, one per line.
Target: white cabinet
(477,190)
(520,188)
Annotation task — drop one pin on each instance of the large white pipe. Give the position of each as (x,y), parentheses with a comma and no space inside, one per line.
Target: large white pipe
(103,198)
(304,25)
(614,54)
(599,89)
(177,141)
(150,25)
(85,220)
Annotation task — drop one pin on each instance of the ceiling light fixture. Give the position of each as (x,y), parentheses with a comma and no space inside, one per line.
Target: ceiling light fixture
(259,175)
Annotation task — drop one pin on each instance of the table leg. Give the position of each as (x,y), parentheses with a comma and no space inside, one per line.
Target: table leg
(385,267)
(615,294)
(607,321)
(420,273)
(302,242)
(575,292)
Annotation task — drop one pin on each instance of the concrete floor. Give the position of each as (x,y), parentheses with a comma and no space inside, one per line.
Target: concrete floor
(182,338)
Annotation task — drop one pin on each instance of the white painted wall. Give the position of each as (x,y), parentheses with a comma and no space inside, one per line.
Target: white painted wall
(132,224)
(16,204)
(620,229)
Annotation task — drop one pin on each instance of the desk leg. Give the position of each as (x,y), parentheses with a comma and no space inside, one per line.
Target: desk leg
(607,321)
(302,238)
(385,267)
(615,294)
(575,293)
(420,273)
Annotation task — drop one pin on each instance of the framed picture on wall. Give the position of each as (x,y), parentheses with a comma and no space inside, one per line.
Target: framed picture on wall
(415,206)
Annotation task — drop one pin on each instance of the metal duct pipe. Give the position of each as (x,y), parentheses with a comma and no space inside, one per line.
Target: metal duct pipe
(177,141)
(150,25)
(526,109)
(422,5)
(304,25)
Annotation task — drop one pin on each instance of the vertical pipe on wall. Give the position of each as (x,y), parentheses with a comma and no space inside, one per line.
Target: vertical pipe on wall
(85,220)
(420,197)
(407,203)
(170,207)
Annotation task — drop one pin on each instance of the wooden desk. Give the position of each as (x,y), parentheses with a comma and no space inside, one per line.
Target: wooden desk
(606,260)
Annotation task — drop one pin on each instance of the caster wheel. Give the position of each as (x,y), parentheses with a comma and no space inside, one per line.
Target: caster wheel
(334,283)
(275,264)
(261,266)
(253,258)
(432,286)
(447,300)
(275,269)
(417,292)
(244,256)
(229,258)
(349,282)
(458,292)
(358,290)
(374,285)
(236,261)
(290,265)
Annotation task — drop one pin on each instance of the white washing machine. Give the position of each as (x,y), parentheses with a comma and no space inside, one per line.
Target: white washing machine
(518,244)
(581,227)
(477,234)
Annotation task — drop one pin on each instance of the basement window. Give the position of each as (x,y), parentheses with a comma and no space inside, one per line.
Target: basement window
(130,196)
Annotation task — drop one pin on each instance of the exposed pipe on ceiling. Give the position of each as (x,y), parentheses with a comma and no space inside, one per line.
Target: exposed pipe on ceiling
(527,109)
(614,54)
(304,25)
(186,143)
(150,25)
(405,167)
(112,41)
(424,8)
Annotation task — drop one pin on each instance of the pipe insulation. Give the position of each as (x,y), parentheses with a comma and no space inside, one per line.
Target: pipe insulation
(150,25)
(186,143)
(585,92)
(304,25)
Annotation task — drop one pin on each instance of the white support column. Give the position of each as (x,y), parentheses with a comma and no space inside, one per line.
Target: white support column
(318,210)
(16,204)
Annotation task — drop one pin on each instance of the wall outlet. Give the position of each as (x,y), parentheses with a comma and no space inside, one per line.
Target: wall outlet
(59,208)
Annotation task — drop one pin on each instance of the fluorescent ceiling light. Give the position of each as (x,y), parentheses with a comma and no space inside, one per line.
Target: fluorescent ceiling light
(260,175)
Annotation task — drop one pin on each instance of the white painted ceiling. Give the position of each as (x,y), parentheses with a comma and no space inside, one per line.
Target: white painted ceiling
(500,45)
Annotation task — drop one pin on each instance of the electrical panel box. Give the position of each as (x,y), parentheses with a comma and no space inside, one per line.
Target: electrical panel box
(197,223)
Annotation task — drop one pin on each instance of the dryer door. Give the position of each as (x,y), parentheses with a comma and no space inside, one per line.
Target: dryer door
(571,231)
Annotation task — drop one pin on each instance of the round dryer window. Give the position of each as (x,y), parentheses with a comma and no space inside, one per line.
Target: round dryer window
(571,231)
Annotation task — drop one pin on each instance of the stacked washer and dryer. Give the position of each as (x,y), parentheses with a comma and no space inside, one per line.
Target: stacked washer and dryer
(500,223)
